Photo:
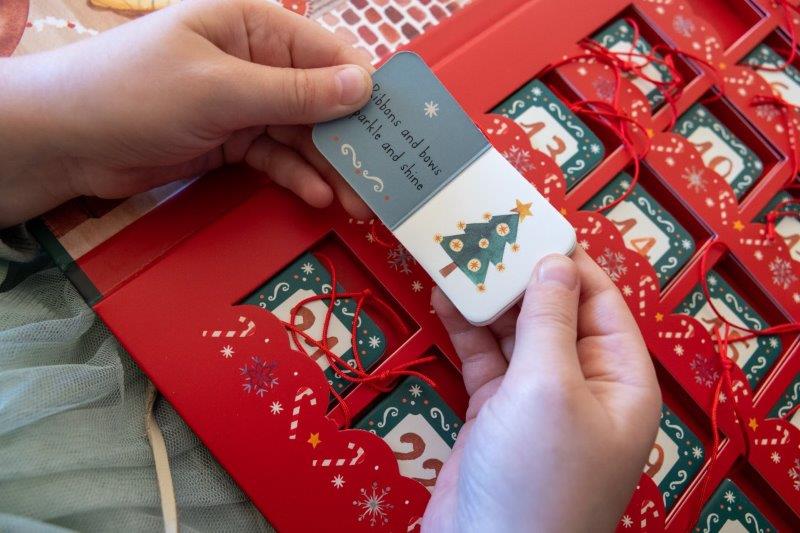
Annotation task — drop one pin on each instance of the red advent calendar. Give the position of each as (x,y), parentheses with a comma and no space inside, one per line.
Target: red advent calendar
(664,130)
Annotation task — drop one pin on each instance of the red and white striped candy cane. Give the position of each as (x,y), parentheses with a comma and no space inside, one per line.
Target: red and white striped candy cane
(305,392)
(341,461)
(246,332)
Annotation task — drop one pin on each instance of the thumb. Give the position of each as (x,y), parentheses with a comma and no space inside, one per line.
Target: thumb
(547,327)
(275,96)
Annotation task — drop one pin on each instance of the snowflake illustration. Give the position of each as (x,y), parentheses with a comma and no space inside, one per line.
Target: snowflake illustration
(227,351)
(613,263)
(370,237)
(722,397)
(416,286)
(521,159)
(730,497)
(584,244)
(415,391)
(776,457)
(431,109)
(782,273)
(604,87)
(373,505)
(705,371)
(768,112)
(695,180)
(276,408)
(758,255)
(536,91)
(683,25)
(594,148)
(678,350)
(627,521)
(626,290)
(697,452)
(773,342)
(400,260)
(794,474)
(307,268)
(712,280)
(259,376)
(686,243)
(374,341)
(338,481)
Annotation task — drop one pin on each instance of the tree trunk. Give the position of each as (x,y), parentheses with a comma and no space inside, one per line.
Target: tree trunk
(445,271)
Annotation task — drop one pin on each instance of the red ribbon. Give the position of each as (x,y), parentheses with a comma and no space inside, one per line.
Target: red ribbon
(787,15)
(381,381)
(778,212)
(786,110)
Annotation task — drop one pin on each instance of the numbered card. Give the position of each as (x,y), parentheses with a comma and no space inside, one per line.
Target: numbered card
(786,82)
(554,130)
(618,38)
(722,151)
(788,227)
(787,404)
(646,227)
(418,426)
(754,356)
(308,277)
(730,511)
(675,458)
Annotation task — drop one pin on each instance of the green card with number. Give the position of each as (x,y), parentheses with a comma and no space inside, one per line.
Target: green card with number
(785,79)
(308,277)
(754,356)
(618,38)
(646,227)
(675,458)
(788,227)
(554,130)
(721,150)
(788,402)
(729,510)
(418,426)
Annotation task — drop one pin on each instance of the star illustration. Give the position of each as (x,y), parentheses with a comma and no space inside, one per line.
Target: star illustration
(314,440)
(738,225)
(431,109)
(276,408)
(659,317)
(523,210)
(227,351)
(338,481)
(752,424)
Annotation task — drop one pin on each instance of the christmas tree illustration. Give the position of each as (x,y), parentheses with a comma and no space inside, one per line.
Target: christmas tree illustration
(482,243)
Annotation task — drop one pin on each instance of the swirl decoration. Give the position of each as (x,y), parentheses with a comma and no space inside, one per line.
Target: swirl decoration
(389,412)
(280,287)
(676,428)
(349,150)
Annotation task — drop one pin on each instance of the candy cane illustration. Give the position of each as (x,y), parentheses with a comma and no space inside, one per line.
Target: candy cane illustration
(305,392)
(649,507)
(548,180)
(246,332)
(685,334)
(766,441)
(595,229)
(735,388)
(725,198)
(341,461)
(643,286)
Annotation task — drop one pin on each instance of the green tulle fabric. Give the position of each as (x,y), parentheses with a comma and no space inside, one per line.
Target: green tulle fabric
(73,450)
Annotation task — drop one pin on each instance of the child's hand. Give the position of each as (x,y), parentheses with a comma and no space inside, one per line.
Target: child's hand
(171,95)
(564,409)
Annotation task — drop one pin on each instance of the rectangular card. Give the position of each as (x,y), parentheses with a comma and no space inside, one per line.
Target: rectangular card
(787,227)
(786,82)
(554,130)
(721,150)
(418,426)
(618,38)
(787,402)
(754,356)
(675,458)
(646,227)
(468,217)
(730,510)
(308,277)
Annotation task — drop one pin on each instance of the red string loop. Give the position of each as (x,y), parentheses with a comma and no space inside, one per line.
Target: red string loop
(787,15)
(778,212)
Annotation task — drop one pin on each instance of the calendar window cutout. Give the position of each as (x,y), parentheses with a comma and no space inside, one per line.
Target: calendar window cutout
(787,227)
(732,19)
(378,332)
(727,143)
(739,300)
(768,58)
(652,222)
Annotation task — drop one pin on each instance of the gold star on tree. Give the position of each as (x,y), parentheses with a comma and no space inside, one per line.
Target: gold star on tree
(314,440)
(523,210)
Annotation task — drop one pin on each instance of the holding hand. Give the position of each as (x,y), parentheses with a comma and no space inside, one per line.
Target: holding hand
(564,409)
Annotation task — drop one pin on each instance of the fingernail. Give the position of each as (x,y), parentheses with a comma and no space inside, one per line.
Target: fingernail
(352,82)
(558,269)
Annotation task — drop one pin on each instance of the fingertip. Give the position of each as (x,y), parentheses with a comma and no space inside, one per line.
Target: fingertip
(354,84)
(556,269)
(316,192)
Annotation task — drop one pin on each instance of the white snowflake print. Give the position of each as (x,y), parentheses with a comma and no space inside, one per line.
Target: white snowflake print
(697,452)
(400,260)
(705,371)
(782,273)
(627,521)
(729,496)
(683,25)
(768,112)
(519,158)
(259,376)
(626,290)
(712,280)
(415,391)
(338,481)
(604,87)
(594,148)
(370,237)
(722,397)
(584,244)
(227,351)
(613,263)
(686,244)
(431,109)
(773,342)
(670,161)
(794,474)
(536,91)
(373,505)
(694,179)
(276,408)
(678,350)
(758,255)
(307,268)
(776,457)
(374,341)
(416,286)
